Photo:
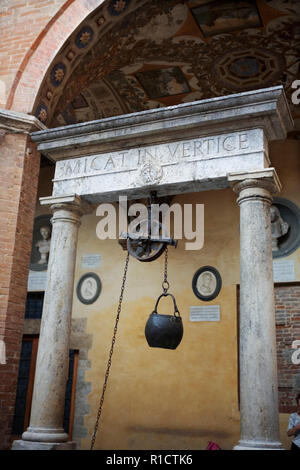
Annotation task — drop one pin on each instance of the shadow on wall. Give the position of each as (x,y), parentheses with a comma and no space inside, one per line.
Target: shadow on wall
(201,432)
(150,435)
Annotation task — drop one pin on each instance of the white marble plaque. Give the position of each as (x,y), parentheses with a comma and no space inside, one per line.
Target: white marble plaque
(37,281)
(284,271)
(91,260)
(205,313)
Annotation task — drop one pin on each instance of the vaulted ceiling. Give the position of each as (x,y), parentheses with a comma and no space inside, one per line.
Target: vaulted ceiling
(134,55)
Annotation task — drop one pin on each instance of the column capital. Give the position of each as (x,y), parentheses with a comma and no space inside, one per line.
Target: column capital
(71,202)
(255,184)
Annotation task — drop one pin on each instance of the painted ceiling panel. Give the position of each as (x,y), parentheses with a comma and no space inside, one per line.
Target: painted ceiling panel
(133,55)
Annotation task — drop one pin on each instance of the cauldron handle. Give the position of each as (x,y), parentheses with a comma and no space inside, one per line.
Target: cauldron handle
(164,294)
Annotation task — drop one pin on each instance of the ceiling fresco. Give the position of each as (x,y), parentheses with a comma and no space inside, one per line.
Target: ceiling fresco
(134,55)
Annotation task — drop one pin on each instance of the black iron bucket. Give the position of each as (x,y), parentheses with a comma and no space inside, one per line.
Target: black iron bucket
(164,331)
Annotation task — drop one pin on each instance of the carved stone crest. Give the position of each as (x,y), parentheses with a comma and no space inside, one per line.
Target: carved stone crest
(150,173)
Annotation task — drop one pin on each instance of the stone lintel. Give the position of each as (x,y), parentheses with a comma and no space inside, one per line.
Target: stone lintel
(15,122)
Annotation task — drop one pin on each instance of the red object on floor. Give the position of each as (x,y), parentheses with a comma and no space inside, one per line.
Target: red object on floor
(212,446)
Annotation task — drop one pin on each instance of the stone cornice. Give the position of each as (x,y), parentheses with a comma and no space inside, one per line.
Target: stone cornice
(266,108)
(14,122)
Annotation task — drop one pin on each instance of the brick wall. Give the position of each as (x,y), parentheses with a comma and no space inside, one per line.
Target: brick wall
(19,168)
(21,22)
(287,302)
(287,318)
(32,33)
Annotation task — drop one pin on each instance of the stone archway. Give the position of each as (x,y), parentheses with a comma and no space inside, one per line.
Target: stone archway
(23,99)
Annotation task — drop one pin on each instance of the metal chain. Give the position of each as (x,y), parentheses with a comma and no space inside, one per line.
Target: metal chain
(165,284)
(110,355)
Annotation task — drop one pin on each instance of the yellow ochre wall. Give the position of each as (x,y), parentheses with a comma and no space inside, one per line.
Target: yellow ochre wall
(165,399)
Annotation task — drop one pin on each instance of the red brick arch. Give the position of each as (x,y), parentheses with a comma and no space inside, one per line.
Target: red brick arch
(38,58)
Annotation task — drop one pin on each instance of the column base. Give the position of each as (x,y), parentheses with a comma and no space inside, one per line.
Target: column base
(258,445)
(30,445)
(47,435)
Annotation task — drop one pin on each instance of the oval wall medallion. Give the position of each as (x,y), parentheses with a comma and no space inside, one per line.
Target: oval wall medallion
(285,223)
(207,283)
(88,288)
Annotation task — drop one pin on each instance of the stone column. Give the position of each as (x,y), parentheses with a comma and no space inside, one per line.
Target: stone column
(258,363)
(46,422)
